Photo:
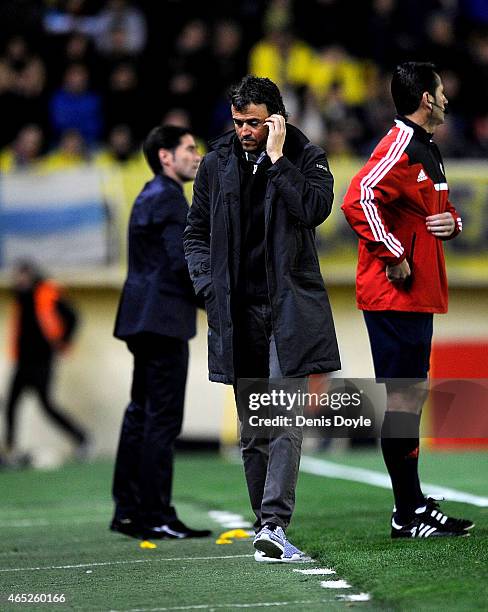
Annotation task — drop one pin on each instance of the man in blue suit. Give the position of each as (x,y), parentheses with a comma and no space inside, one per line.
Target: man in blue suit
(156,318)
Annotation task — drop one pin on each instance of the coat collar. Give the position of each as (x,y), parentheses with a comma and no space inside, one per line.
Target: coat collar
(167,181)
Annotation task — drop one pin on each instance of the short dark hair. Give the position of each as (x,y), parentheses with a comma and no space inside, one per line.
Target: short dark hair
(28,267)
(409,82)
(162,137)
(257,90)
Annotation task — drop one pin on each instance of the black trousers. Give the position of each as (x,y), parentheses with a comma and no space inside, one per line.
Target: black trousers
(144,466)
(36,376)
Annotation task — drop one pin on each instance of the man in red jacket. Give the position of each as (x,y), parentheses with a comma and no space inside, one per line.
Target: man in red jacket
(398,204)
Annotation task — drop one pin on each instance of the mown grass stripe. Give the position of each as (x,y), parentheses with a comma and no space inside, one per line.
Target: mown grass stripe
(21,523)
(322,467)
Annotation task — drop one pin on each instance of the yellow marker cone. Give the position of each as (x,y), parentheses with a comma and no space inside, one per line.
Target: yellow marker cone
(234,534)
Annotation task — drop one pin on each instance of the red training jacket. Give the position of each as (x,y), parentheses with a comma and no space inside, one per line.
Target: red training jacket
(386,204)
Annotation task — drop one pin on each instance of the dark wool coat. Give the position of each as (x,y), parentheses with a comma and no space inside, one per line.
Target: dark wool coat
(298,198)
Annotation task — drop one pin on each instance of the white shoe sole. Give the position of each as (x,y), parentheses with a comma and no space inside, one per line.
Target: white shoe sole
(260,557)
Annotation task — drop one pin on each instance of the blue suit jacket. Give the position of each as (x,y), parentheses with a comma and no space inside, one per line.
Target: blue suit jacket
(158,295)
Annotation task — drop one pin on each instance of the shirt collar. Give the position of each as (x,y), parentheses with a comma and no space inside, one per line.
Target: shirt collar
(253,158)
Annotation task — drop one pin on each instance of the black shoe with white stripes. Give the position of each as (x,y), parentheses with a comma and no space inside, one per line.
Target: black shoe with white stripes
(428,522)
(422,529)
(174,530)
(449,523)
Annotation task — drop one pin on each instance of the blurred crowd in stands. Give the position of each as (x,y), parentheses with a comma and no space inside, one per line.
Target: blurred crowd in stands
(86,79)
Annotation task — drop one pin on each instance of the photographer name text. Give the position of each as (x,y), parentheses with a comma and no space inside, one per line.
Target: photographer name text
(302,421)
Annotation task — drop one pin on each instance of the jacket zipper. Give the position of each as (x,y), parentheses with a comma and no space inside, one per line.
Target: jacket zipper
(437,163)
(412,249)
(409,280)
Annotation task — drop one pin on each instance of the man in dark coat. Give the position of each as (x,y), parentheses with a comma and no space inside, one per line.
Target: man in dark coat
(250,247)
(156,318)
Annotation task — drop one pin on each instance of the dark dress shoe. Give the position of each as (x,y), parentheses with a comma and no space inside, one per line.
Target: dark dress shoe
(127,526)
(175,530)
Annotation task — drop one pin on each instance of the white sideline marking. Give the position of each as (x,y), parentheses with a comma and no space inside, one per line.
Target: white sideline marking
(265,604)
(322,467)
(335,584)
(316,572)
(229,519)
(105,563)
(356,597)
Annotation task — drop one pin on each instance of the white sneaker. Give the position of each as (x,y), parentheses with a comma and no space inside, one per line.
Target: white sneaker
(272,546)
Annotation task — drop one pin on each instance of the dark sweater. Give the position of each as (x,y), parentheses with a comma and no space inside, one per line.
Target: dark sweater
(252,285)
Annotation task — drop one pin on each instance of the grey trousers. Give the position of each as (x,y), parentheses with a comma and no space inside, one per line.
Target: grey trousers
(271,458)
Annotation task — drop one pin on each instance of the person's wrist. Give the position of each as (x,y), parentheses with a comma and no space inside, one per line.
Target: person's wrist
(274,157)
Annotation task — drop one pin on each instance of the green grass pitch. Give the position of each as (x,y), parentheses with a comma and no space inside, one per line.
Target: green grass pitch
(55,540)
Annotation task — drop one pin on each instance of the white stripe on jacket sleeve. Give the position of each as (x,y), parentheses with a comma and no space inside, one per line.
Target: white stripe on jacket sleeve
(375,175)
